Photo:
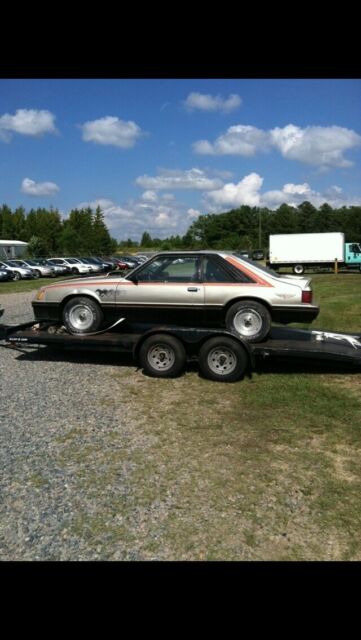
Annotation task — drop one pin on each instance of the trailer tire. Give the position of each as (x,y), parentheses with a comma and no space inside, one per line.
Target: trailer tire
(250,319)
(223,359)
(82,315)
(298,269)
(162,356)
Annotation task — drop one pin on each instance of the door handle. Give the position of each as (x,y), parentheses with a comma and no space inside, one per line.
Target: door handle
(193,289)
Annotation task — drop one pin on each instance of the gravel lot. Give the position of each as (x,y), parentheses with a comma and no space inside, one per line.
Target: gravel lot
(62,420)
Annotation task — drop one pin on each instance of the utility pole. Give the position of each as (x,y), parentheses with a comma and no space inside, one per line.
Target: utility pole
(260,229)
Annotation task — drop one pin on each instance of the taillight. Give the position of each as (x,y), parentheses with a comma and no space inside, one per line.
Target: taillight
(307,297)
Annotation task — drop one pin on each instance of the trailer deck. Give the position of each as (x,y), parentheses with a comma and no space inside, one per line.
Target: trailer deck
(281,343)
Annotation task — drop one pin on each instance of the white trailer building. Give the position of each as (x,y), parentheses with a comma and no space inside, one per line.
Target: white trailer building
(10,249)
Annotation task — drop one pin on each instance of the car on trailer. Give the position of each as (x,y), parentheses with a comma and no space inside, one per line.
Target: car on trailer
(195,288)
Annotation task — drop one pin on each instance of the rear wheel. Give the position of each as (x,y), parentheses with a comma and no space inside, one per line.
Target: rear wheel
(298,269)
(251,320)
(223,359)
(162,356)
(82,315)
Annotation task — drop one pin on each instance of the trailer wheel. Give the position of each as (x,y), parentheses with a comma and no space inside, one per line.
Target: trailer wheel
(223,359)
(250,319)
(298,269)
(162,356)
(82,315)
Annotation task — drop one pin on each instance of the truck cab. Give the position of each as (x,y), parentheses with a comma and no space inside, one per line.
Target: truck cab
(352,254)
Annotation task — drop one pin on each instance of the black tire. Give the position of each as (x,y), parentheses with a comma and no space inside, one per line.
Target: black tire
(36,273)
(82,315)
(75,270)
(162,356)
(17,275)
(251,320)
(223,359)
(298,269)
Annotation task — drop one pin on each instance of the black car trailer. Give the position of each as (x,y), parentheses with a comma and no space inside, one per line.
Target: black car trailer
(163,350)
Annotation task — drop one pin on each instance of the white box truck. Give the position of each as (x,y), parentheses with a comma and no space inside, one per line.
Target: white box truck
(309,250)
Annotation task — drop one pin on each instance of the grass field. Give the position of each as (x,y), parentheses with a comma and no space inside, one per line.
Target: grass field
(267,468)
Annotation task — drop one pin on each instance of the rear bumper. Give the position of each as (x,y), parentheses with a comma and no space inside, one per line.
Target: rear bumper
(301,313)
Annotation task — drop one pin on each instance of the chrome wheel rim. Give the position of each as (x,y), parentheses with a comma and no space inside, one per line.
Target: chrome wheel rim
(247,322)
(299,270)
(81,317)
(161,357)
(221,361)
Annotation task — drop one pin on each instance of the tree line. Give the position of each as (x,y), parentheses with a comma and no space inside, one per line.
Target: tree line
(249,228)
(84,231)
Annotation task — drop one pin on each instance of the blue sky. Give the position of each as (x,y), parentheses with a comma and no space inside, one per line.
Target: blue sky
(157,153)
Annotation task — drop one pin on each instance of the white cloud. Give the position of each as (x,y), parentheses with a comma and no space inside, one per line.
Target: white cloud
(112,131)
(192,214)
(246,191)
(240,140)
(161,218)
(322,146)
(318,146)
(207,102)
(32,188)
(174,179)
(149,196)
(27,122)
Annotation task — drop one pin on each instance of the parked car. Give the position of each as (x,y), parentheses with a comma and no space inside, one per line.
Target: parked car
(258,254)
(6,274)
(58,269)
(103,264)
(74,265)
(94,267)
(118,263)
(19,272)
(38,269)
(130,261)
(208,288)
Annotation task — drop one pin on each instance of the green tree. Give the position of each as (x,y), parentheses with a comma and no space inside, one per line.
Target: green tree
(146,240)
(102,242)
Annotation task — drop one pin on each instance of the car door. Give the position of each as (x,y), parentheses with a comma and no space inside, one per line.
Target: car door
(166,290)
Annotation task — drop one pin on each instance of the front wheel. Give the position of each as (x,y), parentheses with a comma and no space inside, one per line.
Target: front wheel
(162,356)
(222,359)
(17,275)
(82,315)
(251,320)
